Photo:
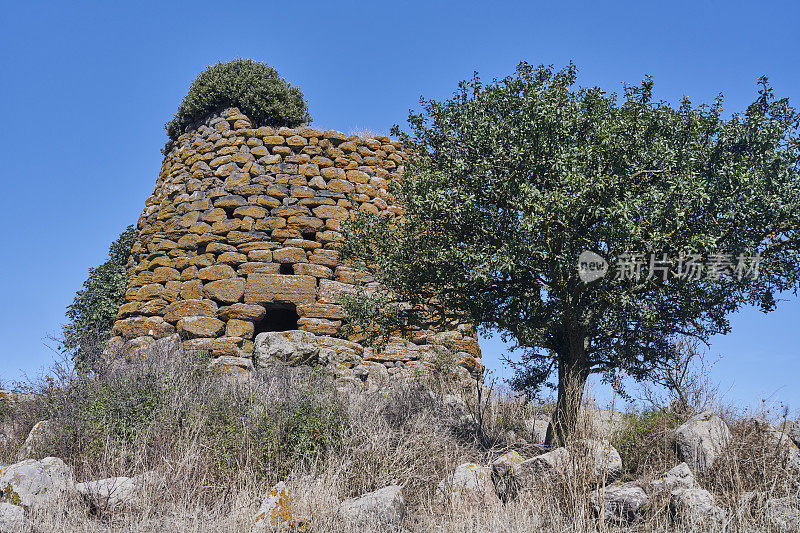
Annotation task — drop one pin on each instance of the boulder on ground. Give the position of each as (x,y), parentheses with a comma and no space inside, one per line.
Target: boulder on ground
(36,438)
(377,510)
(114,494)
(783,514)
(604,423)
(679,477)
(295,347)
(793,430)
(12,518)
(470,484)
(695,505)
(781,444)
(276,513)
(602,460)
(554,462)
(33,484)
(620,503)
(536,428)
(701,439)
(506,473)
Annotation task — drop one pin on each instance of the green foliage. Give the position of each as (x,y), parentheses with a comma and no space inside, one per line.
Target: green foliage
(97,414)
(6,409)
(269,438)
(94,309)
(254,87)
(509,182)
(646,443)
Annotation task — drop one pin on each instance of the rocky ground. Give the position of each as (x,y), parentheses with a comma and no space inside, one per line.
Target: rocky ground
(404,457)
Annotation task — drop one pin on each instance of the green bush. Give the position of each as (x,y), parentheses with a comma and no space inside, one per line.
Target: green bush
(254,87)
(646,444)
(269,438)
(94,309)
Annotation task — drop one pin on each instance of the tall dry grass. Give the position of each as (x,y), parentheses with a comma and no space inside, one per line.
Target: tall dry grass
(215,444)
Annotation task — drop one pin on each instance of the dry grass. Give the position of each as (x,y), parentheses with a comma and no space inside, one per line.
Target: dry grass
(217,444)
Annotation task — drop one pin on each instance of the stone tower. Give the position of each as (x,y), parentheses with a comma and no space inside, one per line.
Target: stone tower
(239,238)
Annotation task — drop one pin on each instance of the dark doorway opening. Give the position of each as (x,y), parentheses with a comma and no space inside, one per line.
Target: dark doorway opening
(287,268)
(279,317)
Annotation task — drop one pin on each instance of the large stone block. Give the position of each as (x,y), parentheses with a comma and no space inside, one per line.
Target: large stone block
(200,326)
(280,288)
(152,326)
(330,291)
(182,308)
(226,291)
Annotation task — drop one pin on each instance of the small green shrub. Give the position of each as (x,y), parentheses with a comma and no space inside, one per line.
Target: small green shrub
(254,87)
(96,415)
(646,444)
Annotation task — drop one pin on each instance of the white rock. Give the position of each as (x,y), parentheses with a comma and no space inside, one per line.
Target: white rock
(112,494)
(695,505)
(783,514)
(781,443)
(33,484)
(506,473)
(554,462)
(701,439)
(679,477)
(294,347)
(380,509)
(536,428)
(37,436)
(620,503)
(470,484)
(604,423)
(12,518)
(601,459)
(276,513)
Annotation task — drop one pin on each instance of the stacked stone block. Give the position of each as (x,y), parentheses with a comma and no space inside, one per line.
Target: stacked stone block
(241,232)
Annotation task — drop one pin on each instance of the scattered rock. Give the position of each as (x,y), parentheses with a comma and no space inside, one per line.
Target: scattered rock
(506,473)
(470,484)
(32,484)
(536,428)
(35,439)
(604,423)
(679,477)
(695,505)
(603,462)
(551,463)
(701,439)
(454,403)
(113,494)
(276,514)
(380,509)
(783,514)
(620,503)
(294,347)
(793,430)
(12,518)
(782,444)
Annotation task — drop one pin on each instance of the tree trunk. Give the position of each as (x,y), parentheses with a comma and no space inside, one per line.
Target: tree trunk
(573,371)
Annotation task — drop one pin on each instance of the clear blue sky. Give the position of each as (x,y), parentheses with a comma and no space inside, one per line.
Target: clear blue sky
(88,86)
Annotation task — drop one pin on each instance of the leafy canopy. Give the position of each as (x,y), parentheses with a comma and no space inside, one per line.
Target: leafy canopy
(509,182)
(254,87)
(94,309)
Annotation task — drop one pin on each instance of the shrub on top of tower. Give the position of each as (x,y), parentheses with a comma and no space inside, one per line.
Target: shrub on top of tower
(254,87)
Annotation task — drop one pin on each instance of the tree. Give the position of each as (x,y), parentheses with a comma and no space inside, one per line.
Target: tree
(94,309)
(509,183)
(254,87)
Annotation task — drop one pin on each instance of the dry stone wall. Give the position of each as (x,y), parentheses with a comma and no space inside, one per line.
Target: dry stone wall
(239,237)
